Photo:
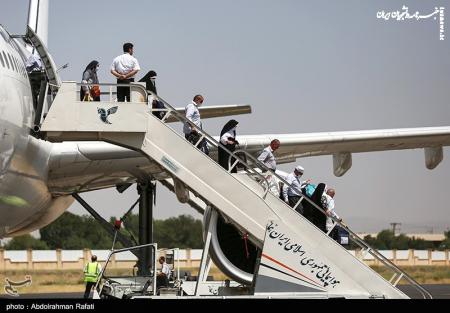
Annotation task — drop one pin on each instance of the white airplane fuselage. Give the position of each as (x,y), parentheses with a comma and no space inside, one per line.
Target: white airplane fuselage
(24,195)
(37,177)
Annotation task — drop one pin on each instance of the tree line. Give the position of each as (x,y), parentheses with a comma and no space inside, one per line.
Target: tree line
(74,232)
(386,240)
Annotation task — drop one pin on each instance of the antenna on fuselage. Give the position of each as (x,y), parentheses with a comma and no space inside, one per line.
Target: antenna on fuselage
(62,67)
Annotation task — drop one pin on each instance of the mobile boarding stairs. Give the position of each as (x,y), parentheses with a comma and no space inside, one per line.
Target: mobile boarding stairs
(297,259)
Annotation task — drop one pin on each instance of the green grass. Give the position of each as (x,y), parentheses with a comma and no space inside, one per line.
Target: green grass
(422,274)
(44,281)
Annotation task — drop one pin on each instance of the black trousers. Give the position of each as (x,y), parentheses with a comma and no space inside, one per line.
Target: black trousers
(194,138)
(123,93)
(89,286)
(293,201)
(162,281)
(223,157)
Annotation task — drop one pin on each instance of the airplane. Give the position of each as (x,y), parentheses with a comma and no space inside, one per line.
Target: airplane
(38,178)
(48,173)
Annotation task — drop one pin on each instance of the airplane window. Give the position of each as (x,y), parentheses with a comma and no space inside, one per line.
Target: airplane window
(23,70)
(1,60)
(19,66)
(12,63)
(6,59)
(15,63)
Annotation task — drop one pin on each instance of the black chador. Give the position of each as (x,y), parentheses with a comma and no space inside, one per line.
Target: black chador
(313,214)
(231,143)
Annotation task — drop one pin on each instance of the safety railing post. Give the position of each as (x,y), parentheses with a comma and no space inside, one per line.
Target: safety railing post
(331,229)
(230,168)
(392,278)
(298,203)
(398,280)
(200,140)
(166,116)
(110,86)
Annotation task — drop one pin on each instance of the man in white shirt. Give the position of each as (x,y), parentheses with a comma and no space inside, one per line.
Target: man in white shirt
(37,76)
(164,276)
(328,204)
(268,159)
(190,129)
(34,63)
(124,67)
(292,193)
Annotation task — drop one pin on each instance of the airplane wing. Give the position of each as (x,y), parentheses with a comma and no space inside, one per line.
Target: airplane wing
(218,111)
(341,145)
(84,166)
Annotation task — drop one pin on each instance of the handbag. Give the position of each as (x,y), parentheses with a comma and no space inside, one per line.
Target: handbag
(95,91)
(194,137)
(343,235)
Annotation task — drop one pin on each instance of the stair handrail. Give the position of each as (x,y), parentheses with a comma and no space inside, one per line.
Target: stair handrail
(172,111)
(374,252)
(138,87)
(112,252)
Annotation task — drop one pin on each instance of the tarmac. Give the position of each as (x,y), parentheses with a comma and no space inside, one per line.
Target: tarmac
(437,291)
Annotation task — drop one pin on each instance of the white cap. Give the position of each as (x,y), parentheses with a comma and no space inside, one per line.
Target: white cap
(300,169)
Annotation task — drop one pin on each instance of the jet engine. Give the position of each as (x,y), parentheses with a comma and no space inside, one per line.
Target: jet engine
(233,252)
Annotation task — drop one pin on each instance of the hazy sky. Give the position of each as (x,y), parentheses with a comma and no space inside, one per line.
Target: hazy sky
(304,66)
